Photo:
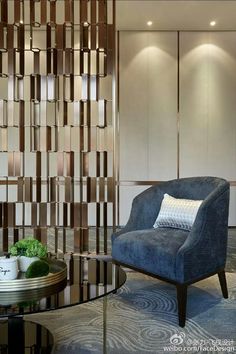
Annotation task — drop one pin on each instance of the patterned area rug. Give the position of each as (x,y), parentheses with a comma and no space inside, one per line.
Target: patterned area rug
(141,318)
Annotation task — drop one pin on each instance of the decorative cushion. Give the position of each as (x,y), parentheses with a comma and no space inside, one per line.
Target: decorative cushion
(177,213)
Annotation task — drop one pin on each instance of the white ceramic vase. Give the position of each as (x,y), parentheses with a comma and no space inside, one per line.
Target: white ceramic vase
(8,268)
(24,262)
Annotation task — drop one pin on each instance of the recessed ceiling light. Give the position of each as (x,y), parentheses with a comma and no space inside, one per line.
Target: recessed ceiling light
(149,23)
(213,23)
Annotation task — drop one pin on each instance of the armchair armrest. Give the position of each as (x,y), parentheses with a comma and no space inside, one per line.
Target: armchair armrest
(145,208)
(204,250)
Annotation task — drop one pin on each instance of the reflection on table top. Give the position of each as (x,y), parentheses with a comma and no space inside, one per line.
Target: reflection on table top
(87,279)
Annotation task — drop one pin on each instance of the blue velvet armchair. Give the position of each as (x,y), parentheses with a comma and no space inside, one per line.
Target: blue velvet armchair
(174,255)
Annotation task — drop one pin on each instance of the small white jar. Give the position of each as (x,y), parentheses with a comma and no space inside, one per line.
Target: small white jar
(8,268)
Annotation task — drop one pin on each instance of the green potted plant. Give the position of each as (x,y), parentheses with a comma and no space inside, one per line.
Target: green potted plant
(28,250)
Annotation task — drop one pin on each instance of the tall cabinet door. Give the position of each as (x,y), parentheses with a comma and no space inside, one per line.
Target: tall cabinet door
(148,110)
(208,107)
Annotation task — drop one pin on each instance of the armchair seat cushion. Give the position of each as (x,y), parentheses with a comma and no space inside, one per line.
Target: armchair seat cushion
(152,250)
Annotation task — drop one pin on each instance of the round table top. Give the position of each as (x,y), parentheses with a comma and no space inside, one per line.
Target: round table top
(87,279)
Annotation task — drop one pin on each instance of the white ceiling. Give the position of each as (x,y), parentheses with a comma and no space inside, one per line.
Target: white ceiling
(175,15)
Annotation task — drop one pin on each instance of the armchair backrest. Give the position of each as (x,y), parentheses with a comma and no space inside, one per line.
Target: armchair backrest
(147,204)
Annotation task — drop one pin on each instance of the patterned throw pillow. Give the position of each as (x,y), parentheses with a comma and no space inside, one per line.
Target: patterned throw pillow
(177,213)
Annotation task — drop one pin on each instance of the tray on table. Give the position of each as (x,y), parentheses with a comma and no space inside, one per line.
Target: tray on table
(57,273)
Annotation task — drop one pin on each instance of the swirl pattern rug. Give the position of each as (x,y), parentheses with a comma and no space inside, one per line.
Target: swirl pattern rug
(142,318)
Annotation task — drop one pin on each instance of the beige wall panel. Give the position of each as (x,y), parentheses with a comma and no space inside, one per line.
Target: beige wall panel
(148,94)
(133,105)
(127,194)
(208,106)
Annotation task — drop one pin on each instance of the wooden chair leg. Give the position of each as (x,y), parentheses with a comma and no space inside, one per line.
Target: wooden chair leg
(223,284)
(182,303)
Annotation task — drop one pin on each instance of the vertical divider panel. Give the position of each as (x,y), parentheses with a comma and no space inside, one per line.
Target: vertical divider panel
(55,122)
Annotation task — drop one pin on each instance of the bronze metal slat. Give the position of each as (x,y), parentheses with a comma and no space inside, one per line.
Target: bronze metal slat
(21,127)
(52,214)
(65,113)
(105,170)
(53,189)
(49,36)
(77,241)
(53,11)
(43,12)
(58,62)
(84,213)
(17,10)
(84,37)
(68,61)
(68,11)
(102,11)
(93,190)
(110,51)
(11,68)
(93,271)
(10,164)
(43,214)
(93,30)
(70,163)
(4,11)
(85,240)
(85,164)
(17,163)
(10,37)
(101,189)
(2,44)
(98,163)
(60,37)
(110,191)
(49,140)
(98,216)
(38,189)
(15,235)
(36,62)
(55,60)
(5,240)
(20,185)
(71,87)
(105,226)
(28,189)
(76,215)
(38,87)
(32,12)
(34,214)
(21,37)
(83,11)
(72,224)
(11,214)
(65,214)
(102,36)
(67,189)
(60,164)
(5,215)
(22,66)
(38,163)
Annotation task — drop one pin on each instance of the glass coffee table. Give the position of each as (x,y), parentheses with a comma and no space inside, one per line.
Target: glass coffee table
(87,279)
